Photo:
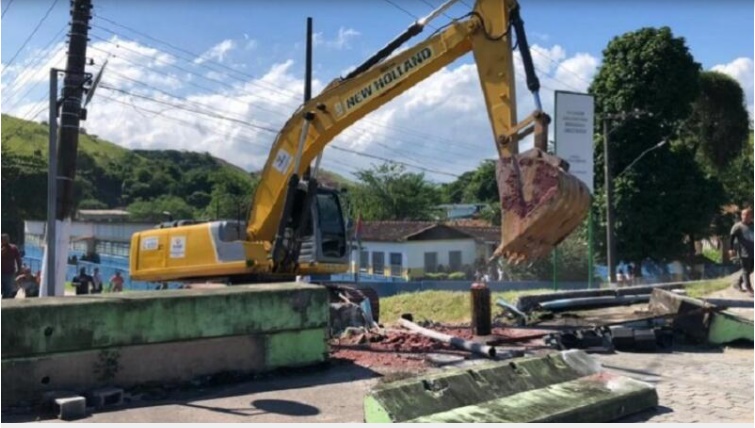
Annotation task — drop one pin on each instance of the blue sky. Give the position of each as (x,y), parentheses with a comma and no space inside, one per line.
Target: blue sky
(263,41)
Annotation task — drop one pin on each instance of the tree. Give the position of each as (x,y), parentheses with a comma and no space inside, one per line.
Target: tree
(482,186)
(152,210)
(665,198)
(388,192)
(719,121)
(231,196)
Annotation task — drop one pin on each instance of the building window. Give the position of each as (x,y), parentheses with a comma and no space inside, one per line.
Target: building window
(378,263)
(431,262)
(454,260)
(364,261)
(396,265)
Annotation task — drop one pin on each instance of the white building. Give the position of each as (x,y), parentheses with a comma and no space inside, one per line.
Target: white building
(412,249)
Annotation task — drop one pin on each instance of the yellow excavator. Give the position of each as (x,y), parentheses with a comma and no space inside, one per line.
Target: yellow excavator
(297,227)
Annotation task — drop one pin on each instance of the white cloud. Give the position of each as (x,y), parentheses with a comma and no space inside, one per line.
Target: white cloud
(741,69)
(217,52)
(341,41)
(440,124)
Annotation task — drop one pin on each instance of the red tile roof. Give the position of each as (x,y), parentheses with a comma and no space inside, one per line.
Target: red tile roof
(397,231)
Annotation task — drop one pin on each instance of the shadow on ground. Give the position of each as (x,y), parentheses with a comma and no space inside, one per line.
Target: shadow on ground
(228,385)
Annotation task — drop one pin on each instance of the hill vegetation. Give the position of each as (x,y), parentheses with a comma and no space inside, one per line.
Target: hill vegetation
(188,184)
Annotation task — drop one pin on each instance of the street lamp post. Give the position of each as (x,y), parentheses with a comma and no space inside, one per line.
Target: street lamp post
(610,242)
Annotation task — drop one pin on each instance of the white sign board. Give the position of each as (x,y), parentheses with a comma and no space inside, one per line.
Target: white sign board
(177,247)
(575,116)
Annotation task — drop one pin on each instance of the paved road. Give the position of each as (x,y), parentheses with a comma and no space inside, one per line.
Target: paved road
(695,384)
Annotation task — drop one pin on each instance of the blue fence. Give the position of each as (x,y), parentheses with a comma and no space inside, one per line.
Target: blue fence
(107,265)
(386,285)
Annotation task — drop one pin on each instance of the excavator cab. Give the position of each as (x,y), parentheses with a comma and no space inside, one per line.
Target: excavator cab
(324,238)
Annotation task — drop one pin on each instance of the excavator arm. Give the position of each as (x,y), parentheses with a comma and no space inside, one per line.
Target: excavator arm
(540,202)
(487,32)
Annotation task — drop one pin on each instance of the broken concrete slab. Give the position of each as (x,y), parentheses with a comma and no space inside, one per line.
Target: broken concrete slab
(519,390)
(699,320)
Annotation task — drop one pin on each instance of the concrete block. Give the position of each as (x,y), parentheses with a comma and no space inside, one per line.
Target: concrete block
(70,408)
(42,326)
(105,397)
(520,390)
(597,398)
(701,321)
(26,379)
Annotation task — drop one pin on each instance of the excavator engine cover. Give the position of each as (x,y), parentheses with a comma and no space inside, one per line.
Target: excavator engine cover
(541,204)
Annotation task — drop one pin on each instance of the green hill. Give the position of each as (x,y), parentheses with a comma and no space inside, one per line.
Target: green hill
(145,182)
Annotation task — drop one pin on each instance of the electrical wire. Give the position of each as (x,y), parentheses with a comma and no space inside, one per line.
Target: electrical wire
(261,84)
(10,2)
(254,126)
(39,24)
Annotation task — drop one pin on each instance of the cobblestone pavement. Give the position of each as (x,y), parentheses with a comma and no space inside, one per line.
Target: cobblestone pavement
(693,384)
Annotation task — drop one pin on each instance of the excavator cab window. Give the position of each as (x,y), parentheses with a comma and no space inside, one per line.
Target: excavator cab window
(331,225)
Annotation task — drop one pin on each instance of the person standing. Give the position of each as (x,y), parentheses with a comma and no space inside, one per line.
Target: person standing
(741,240)
(11,265)
(96,281)
(82,282)
(116,282)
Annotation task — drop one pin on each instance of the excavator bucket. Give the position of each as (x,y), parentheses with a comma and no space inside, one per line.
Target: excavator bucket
(541,204)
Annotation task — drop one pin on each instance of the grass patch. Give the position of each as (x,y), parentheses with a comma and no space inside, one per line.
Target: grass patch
(704,288)
(441,306)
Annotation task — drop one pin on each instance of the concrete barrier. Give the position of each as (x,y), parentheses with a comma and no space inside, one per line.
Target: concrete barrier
(171,337)
(561,387)
(51,325)
(699,320)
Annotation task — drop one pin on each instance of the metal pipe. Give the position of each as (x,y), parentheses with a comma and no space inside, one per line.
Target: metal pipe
(474,347)
(481,314)
(51,188)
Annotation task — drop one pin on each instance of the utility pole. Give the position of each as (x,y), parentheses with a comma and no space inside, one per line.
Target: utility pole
(68,141)
(49,262)
(610,244)
(610,241)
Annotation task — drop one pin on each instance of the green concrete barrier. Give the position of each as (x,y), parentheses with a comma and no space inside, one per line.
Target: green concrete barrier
(25,380)
(166,337)
(566,387)
(699,320)
(65,324)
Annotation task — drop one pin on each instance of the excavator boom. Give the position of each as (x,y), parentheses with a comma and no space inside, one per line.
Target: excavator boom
(541,203)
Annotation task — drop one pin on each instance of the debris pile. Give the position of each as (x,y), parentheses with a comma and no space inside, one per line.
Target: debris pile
(395,347)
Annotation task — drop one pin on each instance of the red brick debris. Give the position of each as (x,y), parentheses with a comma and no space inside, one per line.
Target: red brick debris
(403,349)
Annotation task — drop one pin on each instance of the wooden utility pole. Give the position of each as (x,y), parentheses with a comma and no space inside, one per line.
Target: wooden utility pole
(71,115)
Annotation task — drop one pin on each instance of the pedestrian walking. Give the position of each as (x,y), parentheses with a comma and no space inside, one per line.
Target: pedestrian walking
(741,240)
(11,265)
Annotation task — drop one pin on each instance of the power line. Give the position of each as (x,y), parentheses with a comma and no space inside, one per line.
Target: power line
(265,85)
(10,2)
(216,116)
(21,80)
(204,77)
(353,129)
(39,24)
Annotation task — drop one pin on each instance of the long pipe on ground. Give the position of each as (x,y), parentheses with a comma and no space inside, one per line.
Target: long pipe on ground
(474,347)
